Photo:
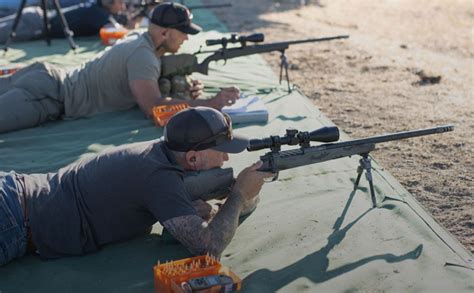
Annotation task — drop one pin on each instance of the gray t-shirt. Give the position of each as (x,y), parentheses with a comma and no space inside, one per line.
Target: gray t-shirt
(102,84)
(113,196)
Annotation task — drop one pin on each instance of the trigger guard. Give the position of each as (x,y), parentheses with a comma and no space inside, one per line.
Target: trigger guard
(274,178)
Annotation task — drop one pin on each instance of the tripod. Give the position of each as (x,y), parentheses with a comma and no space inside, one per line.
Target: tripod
(44,6)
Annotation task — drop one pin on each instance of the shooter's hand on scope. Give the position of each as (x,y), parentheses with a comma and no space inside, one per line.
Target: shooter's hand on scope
(196,89)
(225,97)
(249,182)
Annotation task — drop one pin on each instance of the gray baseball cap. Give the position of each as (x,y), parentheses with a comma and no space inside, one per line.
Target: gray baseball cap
(202,128)
(174,15)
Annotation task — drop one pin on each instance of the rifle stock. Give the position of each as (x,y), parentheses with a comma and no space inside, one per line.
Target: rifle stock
(210,184)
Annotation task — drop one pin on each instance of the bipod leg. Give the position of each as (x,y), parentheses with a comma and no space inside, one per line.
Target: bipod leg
(67,32)
(360,170)
(284,64)
(15,25)
(281,67)
(287,76)
(365,164)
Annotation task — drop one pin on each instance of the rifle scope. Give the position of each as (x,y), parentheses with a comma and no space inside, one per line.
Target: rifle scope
(234,38)
(294,137)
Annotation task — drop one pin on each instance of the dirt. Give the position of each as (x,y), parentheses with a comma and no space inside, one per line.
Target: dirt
(407,65)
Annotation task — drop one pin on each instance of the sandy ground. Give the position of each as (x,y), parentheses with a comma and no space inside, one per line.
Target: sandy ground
(378,81)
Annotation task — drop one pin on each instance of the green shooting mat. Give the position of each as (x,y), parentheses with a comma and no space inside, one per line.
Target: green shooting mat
(310,232)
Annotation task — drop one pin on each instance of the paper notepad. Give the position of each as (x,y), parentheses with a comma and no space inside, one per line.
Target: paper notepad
(247,109)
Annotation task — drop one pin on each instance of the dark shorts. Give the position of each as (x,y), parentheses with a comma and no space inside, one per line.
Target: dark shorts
(13,240)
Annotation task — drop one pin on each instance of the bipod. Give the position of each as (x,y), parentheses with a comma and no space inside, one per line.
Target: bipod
(284,64)
(365,164)
(44,6)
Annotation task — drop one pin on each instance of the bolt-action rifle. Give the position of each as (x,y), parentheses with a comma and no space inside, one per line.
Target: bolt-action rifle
(217,183)
(276,160)
(185,64)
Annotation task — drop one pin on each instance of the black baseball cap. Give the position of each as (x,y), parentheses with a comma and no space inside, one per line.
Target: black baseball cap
(174,15)
(202,128)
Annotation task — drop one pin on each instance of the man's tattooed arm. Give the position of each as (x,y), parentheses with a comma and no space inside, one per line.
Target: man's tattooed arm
(201,237)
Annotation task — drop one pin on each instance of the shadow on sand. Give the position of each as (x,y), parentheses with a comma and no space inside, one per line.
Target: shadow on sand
(315,266)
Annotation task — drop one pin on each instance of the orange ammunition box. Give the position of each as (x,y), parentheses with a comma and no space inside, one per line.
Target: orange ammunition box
(161,114)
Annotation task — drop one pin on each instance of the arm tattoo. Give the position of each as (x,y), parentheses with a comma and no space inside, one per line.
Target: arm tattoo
(201,237)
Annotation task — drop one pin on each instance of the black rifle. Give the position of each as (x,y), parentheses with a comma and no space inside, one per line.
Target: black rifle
(277,160)
(185,64)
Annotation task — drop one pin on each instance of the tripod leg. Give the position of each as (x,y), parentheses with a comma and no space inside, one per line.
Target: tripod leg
(15,25)
(47,28)
(67,32)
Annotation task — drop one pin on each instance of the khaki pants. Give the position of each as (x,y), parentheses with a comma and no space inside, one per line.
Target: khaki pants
(29,98)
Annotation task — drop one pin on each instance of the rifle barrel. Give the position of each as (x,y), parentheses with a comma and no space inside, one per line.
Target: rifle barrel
(397,135)
(317,40)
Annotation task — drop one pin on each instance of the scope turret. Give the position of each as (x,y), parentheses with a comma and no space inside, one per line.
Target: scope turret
(234,38)
(294,137)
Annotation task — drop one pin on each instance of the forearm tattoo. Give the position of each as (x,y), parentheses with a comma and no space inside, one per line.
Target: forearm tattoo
(201,237)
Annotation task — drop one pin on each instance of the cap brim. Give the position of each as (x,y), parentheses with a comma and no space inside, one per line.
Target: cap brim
(191,29)
(237,145)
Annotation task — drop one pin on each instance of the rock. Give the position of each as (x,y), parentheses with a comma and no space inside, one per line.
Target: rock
(427,78)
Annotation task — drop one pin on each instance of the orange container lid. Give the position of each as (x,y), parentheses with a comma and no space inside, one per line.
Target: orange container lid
(109,35)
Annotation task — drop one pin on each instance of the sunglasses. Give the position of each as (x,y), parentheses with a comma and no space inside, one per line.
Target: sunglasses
(222,136)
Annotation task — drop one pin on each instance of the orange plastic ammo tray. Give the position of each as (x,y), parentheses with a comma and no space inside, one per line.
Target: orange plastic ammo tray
(162,114)
(10,69)
(169,276)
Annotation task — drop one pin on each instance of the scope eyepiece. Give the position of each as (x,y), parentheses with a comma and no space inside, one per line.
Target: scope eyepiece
(294,137)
